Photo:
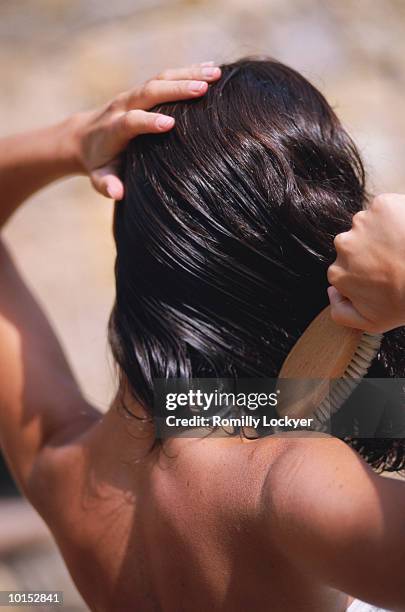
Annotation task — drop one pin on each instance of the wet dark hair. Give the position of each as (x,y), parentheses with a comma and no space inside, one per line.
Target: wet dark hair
(226,233)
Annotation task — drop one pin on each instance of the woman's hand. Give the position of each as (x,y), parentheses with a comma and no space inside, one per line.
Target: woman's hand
(90,142)
(368,276)
(101,135)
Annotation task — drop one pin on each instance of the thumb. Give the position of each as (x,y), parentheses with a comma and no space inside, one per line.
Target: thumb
(344,313)
(106,182)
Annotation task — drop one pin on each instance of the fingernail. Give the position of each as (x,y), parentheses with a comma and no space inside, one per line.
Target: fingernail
(210,63)
(110,191)
(197,86)
(210,72)
(164,122)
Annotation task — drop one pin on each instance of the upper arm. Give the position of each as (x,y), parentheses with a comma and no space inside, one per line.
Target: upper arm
(40,401)
(334,517)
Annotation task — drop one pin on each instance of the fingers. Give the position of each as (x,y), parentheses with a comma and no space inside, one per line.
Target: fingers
(127,116)
(174,84)
(106,182)
(125,127)
(136,122)
(342,241)
(206,71)
(158,92)
(344,313)
(335,274)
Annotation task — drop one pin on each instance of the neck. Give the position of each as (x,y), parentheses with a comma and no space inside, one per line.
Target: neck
(128,427)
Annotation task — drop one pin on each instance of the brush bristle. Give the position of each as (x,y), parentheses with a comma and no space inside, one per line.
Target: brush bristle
(342,388)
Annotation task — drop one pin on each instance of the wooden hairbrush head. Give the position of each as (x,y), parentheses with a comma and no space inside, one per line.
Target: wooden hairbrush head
(326,363)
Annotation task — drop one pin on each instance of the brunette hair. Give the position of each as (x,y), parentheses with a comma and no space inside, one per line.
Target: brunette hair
(226,232)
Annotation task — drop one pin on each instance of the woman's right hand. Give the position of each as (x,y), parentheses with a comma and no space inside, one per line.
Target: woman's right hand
(101,135)
(368,275)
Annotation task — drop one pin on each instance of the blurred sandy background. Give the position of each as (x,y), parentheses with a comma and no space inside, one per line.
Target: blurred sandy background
(59,56)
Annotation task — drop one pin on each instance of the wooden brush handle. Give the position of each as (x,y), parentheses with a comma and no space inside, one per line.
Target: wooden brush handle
(321,354)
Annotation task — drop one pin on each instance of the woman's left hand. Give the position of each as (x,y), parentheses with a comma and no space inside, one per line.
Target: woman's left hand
(101,135)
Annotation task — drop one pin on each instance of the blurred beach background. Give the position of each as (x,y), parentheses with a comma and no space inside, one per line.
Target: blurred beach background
(61,56)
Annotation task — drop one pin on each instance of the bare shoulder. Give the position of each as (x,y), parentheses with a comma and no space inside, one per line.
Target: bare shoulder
(316,457)
(317,494)
(316,474)
(333,516)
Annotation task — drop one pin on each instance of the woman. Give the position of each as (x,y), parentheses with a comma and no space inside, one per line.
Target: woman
(224,235)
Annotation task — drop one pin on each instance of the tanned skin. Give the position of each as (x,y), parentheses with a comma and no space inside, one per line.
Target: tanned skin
(281,524)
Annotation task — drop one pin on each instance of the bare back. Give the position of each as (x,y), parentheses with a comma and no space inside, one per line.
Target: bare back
(182,529)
